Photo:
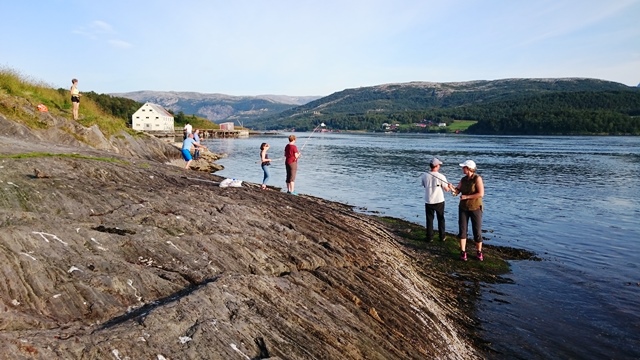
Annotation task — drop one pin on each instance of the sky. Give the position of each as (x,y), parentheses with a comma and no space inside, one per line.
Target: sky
(314,47)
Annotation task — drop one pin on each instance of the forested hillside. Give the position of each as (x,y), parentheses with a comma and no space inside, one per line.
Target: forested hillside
(219,107)
(117,106)
(511,106)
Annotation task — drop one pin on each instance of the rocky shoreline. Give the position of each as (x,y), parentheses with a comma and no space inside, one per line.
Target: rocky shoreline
(114,254)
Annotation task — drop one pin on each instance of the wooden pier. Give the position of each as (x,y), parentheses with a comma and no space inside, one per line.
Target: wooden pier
(223,134)
(215,133)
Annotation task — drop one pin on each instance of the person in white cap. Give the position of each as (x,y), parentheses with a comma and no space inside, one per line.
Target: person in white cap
(435,184)
(471,190)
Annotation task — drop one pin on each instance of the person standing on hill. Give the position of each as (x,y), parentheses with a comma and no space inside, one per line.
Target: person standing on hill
(186,149)
(291,155)
(265,163)
(435,184)
(75,98)
(471,189)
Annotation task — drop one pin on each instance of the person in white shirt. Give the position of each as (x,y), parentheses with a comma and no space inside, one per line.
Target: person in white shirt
(435,184)
(188,129)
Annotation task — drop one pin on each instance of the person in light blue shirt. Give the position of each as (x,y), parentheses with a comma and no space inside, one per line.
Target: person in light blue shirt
(186,149)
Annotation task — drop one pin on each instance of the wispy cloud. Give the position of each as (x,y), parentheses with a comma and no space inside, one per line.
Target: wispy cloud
(566,19)
(94,30)
(101,27)
(121,44)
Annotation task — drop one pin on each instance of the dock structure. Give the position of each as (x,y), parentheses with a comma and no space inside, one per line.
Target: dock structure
(216,133)
(220,133)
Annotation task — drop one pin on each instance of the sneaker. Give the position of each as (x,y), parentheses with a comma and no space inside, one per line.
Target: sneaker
(293,193)
(480,257)
(463,256)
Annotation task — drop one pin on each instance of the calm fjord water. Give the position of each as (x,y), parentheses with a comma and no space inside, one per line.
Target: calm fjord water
(572,200)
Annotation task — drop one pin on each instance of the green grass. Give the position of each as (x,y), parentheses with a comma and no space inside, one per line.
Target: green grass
(72,156)
(18,93)
(461,125)
(446,254)
(197,123)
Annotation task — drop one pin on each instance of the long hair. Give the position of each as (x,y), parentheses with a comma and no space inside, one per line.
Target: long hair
(263,146)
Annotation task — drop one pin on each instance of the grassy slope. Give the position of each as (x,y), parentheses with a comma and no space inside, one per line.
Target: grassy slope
(19,97)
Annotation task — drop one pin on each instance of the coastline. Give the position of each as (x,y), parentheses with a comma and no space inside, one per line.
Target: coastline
(119,253)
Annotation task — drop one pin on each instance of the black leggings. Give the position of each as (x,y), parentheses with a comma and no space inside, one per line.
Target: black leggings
(476,223)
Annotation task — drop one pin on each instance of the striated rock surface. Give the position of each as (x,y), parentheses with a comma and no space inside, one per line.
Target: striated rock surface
(133,259)
(107,252)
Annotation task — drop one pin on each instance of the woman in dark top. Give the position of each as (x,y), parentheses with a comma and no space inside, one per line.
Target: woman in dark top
(265,161)
(471,190)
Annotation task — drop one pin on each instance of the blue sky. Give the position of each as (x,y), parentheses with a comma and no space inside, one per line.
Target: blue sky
(315,47)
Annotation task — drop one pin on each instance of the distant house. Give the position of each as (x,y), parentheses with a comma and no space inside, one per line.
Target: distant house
(442,124)
(226,126)
(152,117)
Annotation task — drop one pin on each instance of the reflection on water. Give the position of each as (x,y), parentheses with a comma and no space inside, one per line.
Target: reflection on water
(572,200)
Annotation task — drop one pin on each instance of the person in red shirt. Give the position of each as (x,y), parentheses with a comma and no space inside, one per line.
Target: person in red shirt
(291,155)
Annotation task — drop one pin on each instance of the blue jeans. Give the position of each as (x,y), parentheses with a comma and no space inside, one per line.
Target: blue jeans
(265,168)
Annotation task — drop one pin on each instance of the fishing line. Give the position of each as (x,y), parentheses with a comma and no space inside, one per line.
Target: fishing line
(314,130)
(454,191)
(303,145)
(428,172)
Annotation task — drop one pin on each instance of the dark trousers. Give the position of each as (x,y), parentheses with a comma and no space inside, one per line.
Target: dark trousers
(438,209)
(476,223)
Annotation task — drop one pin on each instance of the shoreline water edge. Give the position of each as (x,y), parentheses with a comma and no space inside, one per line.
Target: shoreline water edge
(115,252)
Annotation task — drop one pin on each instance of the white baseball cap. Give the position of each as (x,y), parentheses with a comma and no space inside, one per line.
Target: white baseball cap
(435,162)
(469,163)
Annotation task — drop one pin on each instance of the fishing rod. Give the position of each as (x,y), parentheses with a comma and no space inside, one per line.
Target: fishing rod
(428,172)
(454,192)
(303,145)
(272,160)
(314,130)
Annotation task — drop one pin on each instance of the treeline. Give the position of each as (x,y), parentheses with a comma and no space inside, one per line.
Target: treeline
(612,112)
(579,112)
(117,106)
(566,122)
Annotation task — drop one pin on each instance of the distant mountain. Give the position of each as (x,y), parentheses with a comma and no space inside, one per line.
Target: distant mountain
(366,108)
(219,107)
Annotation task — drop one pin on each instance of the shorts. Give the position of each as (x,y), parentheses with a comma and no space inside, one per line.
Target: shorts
(75,99)
(292,169)
(186,155)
